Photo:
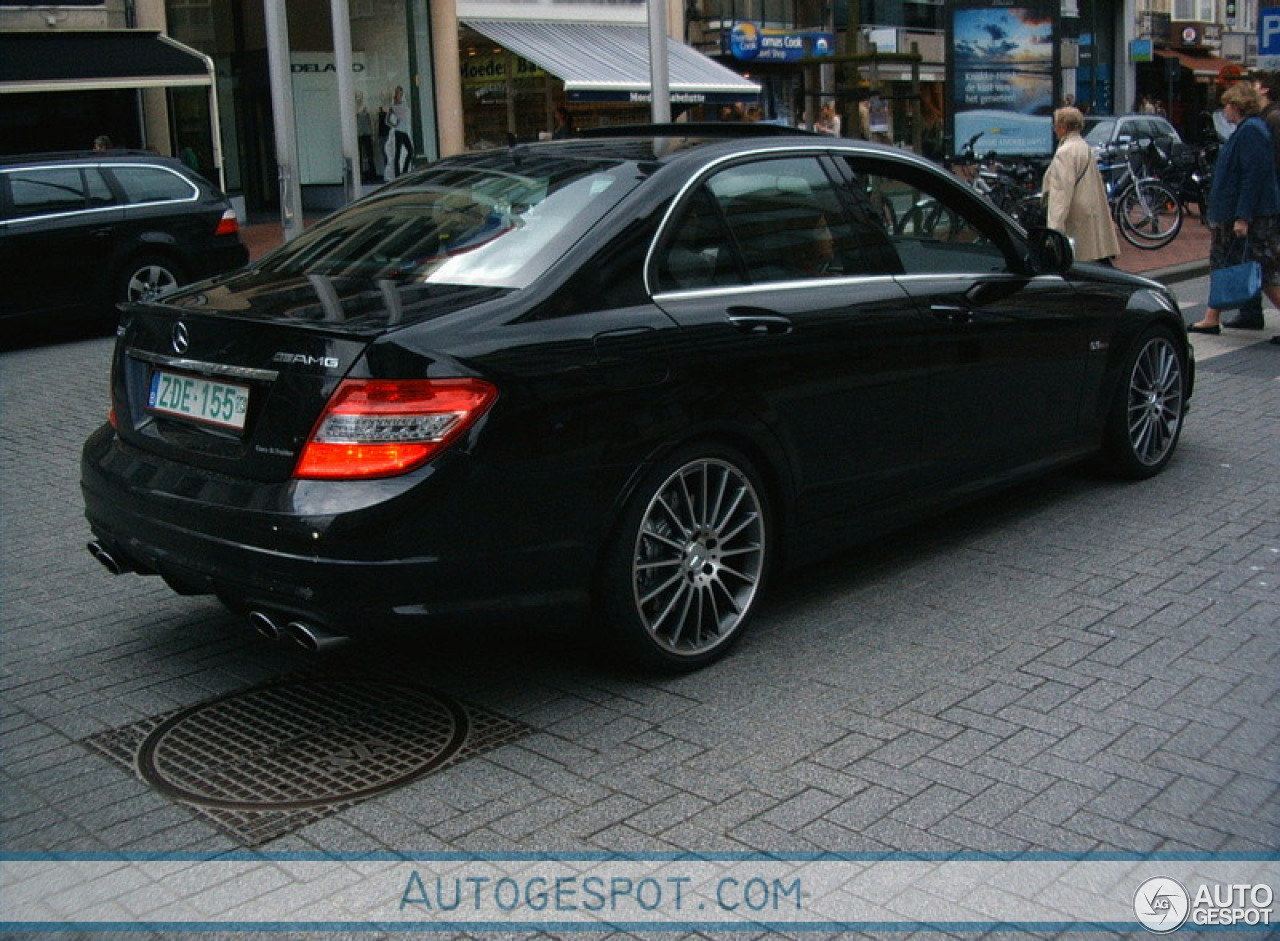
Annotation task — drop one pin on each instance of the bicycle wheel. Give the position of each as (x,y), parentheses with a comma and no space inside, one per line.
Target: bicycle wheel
(929,218)
(1149,214)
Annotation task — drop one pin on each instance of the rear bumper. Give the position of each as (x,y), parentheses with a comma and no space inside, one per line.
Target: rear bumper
(364,565)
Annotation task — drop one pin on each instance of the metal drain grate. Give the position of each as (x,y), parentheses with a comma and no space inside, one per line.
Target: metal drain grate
(265,761)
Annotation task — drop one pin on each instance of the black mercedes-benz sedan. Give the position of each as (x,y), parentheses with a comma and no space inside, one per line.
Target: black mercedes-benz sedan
(631,375)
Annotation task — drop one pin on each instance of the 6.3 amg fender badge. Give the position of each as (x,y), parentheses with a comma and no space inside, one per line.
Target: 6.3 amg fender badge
(180,339)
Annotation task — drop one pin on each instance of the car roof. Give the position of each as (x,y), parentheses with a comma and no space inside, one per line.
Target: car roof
(695,142)
(89,156)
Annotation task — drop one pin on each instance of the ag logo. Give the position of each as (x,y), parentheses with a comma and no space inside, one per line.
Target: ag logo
(1161,904)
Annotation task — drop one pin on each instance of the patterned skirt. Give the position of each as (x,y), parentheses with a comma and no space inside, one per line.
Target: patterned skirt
(1263,246)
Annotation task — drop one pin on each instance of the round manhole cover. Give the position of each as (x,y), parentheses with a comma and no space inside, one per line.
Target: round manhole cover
(301,744)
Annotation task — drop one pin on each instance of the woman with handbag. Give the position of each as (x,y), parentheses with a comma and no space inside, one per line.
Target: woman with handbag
(1244,207)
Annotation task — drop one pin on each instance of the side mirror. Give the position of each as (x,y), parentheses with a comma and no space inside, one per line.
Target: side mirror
(1051,251)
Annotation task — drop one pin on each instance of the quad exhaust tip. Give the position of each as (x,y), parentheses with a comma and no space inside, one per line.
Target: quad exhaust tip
(109,562)
(264,625)
(313,638)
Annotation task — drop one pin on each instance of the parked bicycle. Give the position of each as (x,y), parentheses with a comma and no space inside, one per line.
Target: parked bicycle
(1188,171)
(1148,212)
(1012,183)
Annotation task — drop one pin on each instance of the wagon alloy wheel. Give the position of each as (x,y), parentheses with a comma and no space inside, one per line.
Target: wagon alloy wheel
(1155,401)
(699,557)
(149,280)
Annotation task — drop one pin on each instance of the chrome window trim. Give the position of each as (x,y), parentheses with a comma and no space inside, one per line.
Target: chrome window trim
(974,275)
(198,366)
(818,149)
(735,290)
(118,207)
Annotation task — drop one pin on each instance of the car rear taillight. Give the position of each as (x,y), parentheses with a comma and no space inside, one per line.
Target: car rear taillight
(380,428)
(228,224)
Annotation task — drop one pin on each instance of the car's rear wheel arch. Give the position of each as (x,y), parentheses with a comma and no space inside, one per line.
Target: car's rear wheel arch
(769,466)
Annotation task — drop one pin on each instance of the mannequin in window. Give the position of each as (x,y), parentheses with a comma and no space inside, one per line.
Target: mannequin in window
(399,143)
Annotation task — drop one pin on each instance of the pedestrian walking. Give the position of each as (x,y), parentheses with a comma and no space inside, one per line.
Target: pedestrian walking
(1075,196)
(1244,202)
(1267,85)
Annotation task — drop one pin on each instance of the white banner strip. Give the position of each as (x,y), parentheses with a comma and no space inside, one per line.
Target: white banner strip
(570,893)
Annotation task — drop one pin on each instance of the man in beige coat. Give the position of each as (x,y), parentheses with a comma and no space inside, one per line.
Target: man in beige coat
(1075,196)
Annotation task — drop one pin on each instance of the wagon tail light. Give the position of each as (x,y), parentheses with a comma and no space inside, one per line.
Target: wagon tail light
(228,224)
(380,428)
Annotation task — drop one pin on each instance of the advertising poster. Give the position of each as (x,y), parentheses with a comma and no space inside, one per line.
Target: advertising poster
(1002,78)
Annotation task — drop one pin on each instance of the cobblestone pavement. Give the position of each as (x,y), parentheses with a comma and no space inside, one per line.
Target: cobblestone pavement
(1076,665)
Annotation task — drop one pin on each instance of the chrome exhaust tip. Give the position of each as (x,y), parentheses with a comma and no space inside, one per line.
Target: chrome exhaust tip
(313,638)
(263,624)
(109,562)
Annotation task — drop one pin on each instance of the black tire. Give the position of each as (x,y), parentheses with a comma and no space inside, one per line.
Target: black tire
(1148,407)
(146,277)
(686,567)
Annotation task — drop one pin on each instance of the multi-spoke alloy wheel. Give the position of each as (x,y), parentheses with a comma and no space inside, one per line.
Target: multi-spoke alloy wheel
(695,559)
(1148,418)
(1155,401)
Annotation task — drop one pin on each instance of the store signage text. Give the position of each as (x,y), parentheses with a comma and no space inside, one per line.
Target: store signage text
(750,42)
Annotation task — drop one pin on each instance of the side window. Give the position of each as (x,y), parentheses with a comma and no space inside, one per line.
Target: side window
(152,184)
(699,254)
(786,219)
(932,227)
(99,192)
(47,190)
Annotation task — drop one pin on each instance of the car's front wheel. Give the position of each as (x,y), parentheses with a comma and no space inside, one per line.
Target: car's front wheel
(687,565)
(146,278)
(1146,417)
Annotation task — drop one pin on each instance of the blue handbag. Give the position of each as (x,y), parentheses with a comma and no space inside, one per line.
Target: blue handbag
(1234,285)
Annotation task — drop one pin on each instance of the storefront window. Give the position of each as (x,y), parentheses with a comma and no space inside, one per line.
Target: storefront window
(233,33)
(503,93)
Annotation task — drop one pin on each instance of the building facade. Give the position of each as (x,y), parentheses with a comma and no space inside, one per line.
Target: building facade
(433,77)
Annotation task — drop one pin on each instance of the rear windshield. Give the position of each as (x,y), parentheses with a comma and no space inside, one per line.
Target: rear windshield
(497,220)
(1097,131)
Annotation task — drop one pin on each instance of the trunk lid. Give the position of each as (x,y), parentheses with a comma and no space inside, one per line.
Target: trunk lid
(231,375)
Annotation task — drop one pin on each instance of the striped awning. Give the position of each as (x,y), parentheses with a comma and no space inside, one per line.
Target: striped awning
(610,61)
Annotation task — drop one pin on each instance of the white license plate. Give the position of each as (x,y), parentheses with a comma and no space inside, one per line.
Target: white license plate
(203,400)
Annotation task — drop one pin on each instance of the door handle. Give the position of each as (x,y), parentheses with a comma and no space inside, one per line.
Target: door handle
(758,321)
(952,313)
(103,232)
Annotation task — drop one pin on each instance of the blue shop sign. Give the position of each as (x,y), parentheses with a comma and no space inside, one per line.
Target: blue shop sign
(750,42)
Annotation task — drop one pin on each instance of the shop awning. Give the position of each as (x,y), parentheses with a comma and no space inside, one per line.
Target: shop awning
(610,62)
(1205,66)
(90,60)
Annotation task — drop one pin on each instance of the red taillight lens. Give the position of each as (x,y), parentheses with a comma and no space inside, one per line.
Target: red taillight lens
(228,224)
(380,428)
